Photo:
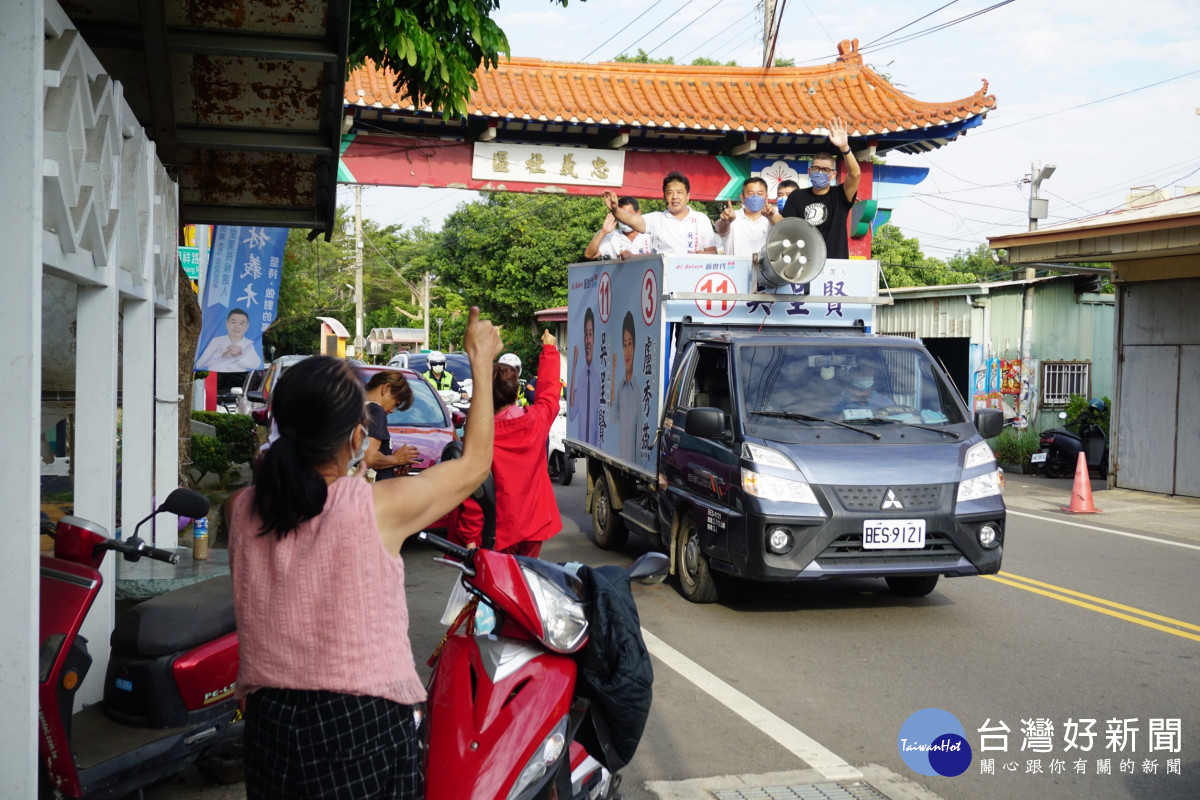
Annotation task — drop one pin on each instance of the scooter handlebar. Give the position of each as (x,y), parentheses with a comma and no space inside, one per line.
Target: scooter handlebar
(446,546)
(161,555)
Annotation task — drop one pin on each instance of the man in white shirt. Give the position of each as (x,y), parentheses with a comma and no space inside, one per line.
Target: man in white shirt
(232,352)
(616,239)
(744,232)
(678,230)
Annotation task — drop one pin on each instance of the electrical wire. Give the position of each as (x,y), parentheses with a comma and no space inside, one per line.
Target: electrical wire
(638,40)
(701,16)
(719,34)
(623,30)
(914,22)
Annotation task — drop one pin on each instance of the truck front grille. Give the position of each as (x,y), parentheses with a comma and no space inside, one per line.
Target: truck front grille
(871,498)
(847,550)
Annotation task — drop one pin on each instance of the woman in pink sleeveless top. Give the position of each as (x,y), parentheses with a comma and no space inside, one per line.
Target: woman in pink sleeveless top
(325,661)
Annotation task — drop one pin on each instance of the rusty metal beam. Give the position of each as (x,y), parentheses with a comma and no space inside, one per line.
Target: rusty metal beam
(223,138)
(251,45)
(158,81)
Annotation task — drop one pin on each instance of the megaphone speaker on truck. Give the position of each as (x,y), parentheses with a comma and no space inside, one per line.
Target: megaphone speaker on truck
(794,253)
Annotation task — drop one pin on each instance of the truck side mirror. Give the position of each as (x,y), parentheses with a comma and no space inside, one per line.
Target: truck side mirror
(705,422)
(989,422)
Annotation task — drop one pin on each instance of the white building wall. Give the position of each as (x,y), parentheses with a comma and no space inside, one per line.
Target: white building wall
(84,200)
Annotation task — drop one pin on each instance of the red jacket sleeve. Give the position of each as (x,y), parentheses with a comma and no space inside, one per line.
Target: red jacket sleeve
(545,404)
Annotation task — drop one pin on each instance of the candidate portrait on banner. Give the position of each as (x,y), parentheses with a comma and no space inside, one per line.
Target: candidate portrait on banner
(240,294)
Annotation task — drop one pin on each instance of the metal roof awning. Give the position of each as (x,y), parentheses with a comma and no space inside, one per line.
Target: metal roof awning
(242,98)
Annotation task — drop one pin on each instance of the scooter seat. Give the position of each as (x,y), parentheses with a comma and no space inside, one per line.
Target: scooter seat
(177,620)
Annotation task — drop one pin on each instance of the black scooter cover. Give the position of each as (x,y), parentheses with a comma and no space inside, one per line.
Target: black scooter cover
(615,674)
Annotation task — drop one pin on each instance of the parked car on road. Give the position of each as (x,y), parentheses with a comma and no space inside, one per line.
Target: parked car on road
(253,383)
(427,424)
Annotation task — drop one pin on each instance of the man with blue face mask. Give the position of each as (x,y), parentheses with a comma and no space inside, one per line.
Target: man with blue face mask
(616,239)
(822,205)
(744,232)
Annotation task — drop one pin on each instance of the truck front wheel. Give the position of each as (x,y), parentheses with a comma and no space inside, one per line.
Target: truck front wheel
(695,579)
(608,529)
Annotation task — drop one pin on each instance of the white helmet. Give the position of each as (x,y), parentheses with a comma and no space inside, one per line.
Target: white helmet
(436,357)
(513,361)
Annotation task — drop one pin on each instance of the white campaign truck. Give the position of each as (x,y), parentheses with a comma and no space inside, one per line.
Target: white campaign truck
(759,430)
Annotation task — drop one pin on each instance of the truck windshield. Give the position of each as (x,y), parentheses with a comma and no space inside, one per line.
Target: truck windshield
(859,384)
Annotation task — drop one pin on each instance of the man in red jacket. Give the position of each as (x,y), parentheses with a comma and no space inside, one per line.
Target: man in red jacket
(526,511)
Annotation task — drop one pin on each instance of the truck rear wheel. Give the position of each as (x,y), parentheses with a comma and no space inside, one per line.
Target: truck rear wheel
(695,579)
(608,529)
(912,585)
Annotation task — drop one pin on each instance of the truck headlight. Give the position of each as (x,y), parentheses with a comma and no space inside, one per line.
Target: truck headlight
(769,487)
(978,455)
(984,485)
(766,456)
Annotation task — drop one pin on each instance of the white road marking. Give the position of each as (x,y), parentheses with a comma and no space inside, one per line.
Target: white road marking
(1154,539)
(795,741)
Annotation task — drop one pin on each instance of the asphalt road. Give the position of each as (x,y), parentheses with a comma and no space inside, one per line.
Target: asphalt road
(808,685)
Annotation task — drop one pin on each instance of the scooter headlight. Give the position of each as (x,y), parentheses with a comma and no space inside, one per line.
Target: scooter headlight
(547,753)
(564,624)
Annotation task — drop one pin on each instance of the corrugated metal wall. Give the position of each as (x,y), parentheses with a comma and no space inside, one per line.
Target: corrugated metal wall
(1155,444)
(1066,327)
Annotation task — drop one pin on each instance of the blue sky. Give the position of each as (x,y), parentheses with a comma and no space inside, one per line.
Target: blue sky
(1106,91)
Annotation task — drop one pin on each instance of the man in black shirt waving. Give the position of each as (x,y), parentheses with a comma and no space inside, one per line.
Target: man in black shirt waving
(823,205)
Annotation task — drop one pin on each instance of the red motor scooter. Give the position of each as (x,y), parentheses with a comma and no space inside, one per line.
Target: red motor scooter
(525,712)
(168,693)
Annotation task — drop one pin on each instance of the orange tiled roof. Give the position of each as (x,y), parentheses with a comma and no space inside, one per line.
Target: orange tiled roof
(790,100)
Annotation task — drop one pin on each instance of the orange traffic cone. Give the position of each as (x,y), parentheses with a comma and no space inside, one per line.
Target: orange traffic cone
(1081,492)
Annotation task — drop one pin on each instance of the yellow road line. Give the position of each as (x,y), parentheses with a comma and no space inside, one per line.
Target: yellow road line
(1063,595)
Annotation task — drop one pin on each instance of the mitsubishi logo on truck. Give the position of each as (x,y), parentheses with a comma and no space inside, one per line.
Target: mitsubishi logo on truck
(890,501)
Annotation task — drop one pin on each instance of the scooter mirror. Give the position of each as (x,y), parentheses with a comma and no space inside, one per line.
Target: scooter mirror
(185,503)
(649,569)
(1062,415)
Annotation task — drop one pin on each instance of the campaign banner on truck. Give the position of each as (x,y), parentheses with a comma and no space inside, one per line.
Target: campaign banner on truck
(615,369)
(715,276)
(241,290)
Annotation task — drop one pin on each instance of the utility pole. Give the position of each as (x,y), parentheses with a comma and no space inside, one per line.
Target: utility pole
(1038,209)
(359,342)
(426,286)
(770,31)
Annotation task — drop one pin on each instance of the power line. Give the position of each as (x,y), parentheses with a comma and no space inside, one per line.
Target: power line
(935,28)
(636,41)
(701,16)
(1085,105)
(618,33)
(725,32)
(914,22)
(822,27)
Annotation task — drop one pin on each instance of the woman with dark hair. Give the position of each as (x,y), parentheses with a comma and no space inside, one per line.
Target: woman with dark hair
(386,391)
(526,511)
(325,661)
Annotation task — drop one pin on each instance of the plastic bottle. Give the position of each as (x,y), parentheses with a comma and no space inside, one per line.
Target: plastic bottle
(200,539)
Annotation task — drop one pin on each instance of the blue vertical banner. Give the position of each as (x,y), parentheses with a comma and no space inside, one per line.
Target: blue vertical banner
(241,291)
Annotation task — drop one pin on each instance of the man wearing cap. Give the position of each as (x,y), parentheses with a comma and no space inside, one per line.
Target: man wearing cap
(825,205)
(437,374)
(514,361)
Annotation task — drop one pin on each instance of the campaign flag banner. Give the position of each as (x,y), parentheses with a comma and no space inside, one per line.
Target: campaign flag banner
(241,290)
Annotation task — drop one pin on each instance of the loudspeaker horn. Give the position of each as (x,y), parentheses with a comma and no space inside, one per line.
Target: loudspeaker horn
(794,253)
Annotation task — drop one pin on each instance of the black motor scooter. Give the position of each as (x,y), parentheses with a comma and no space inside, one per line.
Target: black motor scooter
(1060,448)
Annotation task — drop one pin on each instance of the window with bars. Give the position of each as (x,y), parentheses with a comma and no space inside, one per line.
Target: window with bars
(1061,379)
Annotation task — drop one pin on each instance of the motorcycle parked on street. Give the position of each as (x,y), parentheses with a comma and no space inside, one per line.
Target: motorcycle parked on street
(1060,447)
(168,693)
(533,709)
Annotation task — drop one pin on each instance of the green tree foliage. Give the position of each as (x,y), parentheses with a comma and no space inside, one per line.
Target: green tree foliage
(433,47)
(318,281)
(784,62)
(508,254)
(642,57)
(903,263)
